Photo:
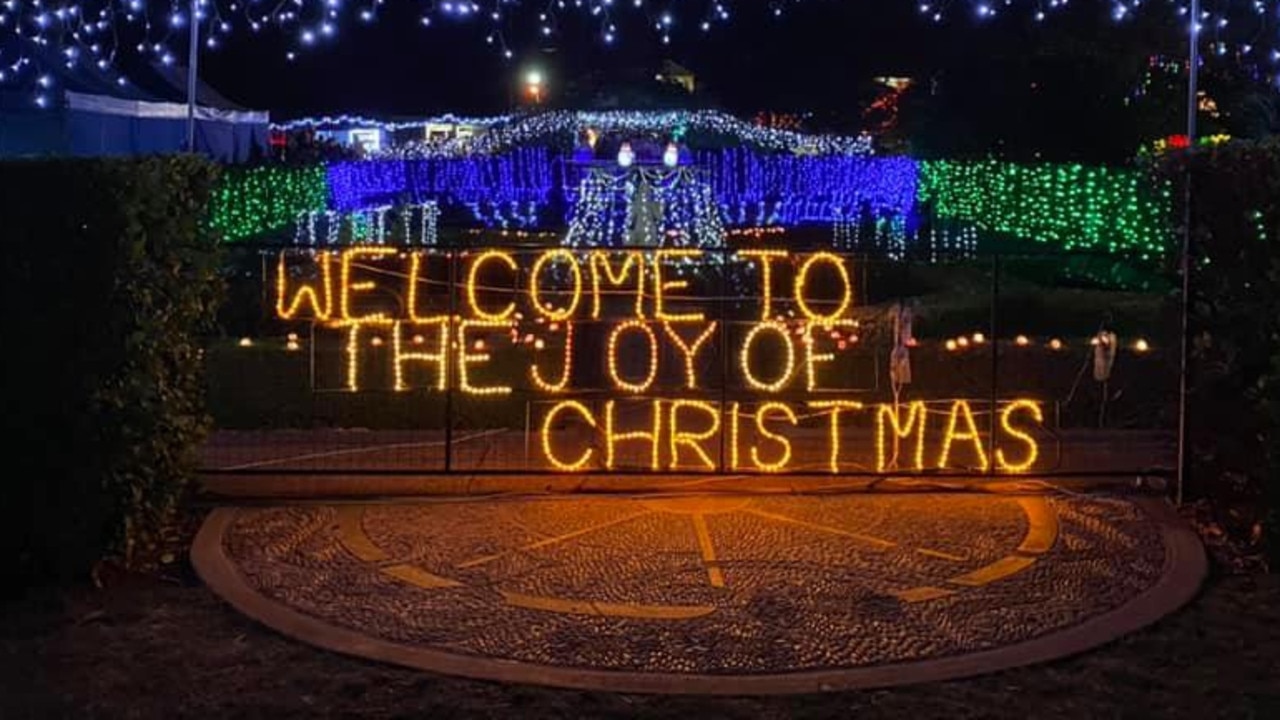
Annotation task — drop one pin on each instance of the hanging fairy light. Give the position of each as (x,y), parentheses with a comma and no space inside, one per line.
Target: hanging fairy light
(94,31)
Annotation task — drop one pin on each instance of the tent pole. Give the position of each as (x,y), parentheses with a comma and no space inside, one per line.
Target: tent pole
(193,58)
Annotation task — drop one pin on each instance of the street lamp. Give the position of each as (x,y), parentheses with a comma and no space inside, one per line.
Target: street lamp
(533,84)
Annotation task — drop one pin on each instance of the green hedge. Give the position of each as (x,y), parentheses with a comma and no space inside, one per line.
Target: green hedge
(1234,417)
(249,202)
(1074,207)
(110,280)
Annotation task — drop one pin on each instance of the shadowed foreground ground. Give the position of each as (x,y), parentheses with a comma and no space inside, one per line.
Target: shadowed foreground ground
(149,648)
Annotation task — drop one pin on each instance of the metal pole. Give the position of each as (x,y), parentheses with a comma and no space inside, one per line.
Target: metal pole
(1193,73)
(447,365)
(994,343)
(724,352)
(193,59)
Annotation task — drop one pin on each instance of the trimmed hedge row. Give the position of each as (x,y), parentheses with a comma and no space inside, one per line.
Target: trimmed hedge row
(109,280)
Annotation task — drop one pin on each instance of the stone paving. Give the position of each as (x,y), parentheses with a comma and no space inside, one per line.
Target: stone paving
(709,585)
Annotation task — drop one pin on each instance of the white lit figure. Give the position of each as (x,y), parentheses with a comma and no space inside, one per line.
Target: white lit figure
(625,155)
(671,156)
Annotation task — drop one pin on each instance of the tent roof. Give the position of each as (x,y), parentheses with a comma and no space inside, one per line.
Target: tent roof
(169,82)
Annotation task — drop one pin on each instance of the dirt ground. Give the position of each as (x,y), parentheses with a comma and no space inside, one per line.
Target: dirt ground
(165,647)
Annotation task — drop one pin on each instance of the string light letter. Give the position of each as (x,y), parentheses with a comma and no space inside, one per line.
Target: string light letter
(320,310)
(473,275)
(612,350)
(960,411)
(599,262)
(692,440)
(563,382)
(802,282)
(535,285)
(785,457)
(689,351)
(1006,424)
(661,286)
(836,407)
(611,438)
(465,358)
(766,277)
(549,420)
(789,363)
(888,415)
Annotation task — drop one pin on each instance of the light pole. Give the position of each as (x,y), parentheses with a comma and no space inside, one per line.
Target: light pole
(1193,105)
(533,82)
(193,58)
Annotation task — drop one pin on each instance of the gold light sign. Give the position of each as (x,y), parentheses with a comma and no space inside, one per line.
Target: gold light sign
(659,339)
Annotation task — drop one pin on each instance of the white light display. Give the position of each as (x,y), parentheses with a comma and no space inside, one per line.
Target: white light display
(671,156)
(94,31)
(502,134)
(645,206)
(625,155)
(99,31)
(418,225)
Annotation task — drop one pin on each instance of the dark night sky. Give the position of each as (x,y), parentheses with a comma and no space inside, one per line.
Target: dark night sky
(812,58)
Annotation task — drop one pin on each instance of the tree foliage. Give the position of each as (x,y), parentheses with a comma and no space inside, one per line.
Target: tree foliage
(109,279)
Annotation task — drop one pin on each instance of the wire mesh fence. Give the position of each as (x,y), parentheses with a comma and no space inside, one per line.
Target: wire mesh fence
(752,360)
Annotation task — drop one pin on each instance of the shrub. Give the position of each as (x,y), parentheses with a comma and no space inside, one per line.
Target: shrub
(1234,413)
(109,279)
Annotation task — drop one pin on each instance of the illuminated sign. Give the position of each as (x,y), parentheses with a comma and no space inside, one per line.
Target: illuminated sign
(662,360)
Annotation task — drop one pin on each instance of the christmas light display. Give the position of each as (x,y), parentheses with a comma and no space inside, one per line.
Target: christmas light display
(564,127)
(1033,449)
(566,371)
(319,309)
(651,365)
(548,424)
(689,350)
(784,457)
(547,310)
(652,436)
(439,359)
(1071,206)
(889,418)
(473,286)
(331,122)
(692,439)
(826,320)
(788,365)
(644,206)
(600,261)
(415,224)
(466,359)
(662,287)
(961,412)
(755,188)
(98,32)
(251,202)
(672,414)
(834,408)
(520,176)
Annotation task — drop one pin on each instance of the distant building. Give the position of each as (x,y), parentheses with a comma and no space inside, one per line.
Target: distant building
(676,74)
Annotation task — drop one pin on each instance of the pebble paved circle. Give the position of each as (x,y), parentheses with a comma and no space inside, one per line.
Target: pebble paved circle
(744,594)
